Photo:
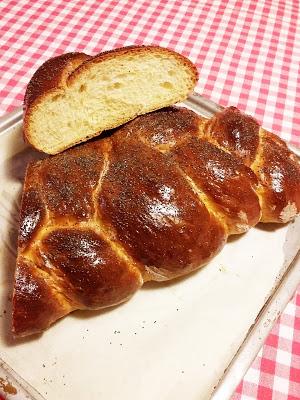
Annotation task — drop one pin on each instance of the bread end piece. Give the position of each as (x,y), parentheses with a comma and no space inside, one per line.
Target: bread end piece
(75,97)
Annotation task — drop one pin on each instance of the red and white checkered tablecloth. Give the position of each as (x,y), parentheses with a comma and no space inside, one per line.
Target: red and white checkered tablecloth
(247,53)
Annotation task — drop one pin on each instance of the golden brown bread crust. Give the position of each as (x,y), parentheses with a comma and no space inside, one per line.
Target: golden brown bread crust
(35,307)
(82,167)
(154,213)
(276,167)
(225,181)
(33,211)
(152,201)
(235,132)
(278,171)
(77,267)
(162,129)
(98,277)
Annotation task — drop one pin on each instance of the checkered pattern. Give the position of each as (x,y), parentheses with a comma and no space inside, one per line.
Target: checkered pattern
(248,55)
(275,373)
(247,52)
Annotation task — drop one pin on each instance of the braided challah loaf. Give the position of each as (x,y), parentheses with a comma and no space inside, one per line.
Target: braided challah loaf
(155,200)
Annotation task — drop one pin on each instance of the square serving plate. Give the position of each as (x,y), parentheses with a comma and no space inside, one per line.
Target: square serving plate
(193,338)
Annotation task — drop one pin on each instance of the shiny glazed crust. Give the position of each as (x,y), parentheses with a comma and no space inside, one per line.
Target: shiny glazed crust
(275,166)
(154,201)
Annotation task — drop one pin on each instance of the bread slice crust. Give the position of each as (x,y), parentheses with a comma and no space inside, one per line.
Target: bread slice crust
(74,97)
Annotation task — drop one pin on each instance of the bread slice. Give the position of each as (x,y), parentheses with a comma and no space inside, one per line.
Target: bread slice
(74,97)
